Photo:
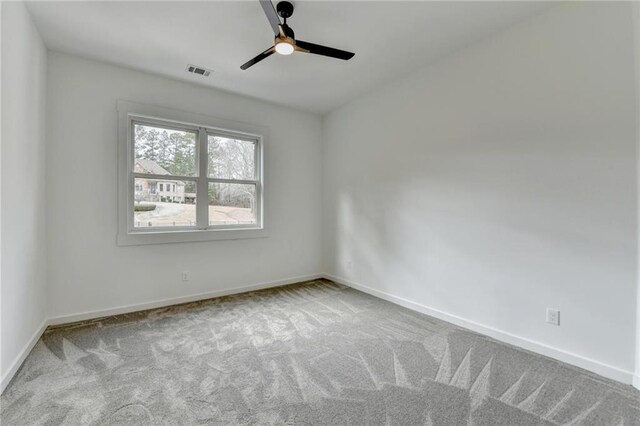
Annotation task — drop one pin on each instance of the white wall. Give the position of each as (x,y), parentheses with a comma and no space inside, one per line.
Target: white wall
(498,182)
(23,273)
(636,26)
(87,271)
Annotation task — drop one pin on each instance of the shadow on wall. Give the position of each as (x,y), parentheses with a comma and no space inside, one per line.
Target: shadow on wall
(450,230)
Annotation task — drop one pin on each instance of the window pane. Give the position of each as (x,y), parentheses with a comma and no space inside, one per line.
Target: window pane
(154,207)
(231,158)
(164,152)
(232,204)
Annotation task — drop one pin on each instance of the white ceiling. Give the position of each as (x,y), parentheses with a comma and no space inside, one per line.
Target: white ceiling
(390,38)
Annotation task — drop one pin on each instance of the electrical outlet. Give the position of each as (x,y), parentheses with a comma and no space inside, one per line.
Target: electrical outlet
(553,316)
(185,275)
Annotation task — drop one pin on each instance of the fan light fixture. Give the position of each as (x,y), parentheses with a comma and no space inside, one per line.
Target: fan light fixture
(284,48)
(285,42)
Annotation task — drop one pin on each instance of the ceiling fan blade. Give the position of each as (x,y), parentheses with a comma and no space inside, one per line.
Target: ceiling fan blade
(270,51)
(272,15)
(324,50)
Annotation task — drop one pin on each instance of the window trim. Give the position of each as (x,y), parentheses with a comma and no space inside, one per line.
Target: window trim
(131,112)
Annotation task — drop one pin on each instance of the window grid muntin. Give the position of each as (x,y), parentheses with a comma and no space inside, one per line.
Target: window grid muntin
(201,178)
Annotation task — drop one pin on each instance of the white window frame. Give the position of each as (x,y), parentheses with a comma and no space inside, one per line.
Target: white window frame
(130,113)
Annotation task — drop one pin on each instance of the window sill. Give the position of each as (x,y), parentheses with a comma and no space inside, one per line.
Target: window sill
(188,236)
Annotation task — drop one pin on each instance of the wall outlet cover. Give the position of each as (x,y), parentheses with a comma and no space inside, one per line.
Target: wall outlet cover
(553,316)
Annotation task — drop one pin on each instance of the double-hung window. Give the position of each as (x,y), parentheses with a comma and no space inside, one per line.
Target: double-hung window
(182,177)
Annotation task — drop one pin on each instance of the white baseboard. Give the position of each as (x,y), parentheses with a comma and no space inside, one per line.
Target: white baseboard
(15,366)
(605,370)
(83,316)
(609,371)
(63,319)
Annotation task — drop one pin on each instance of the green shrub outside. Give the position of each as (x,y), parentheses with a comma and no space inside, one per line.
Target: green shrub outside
(144,207)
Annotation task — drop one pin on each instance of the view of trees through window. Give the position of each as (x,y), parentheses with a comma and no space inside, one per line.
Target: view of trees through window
(168,199)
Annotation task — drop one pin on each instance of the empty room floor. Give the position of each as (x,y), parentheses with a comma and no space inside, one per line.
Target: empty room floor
(310,353)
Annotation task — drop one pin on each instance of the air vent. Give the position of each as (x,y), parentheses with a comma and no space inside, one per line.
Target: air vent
(198,70)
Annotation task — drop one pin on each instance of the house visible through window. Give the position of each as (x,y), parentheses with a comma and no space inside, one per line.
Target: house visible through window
(192,166)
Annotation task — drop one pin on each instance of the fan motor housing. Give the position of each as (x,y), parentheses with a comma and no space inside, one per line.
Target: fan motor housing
(284,9)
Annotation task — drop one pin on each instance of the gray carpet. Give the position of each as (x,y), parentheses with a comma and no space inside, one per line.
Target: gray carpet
(312,353)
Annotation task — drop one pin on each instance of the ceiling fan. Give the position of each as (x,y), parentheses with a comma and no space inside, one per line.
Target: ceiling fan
(285,41)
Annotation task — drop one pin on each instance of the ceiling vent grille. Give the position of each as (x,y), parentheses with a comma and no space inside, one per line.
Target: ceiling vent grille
(198,70)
